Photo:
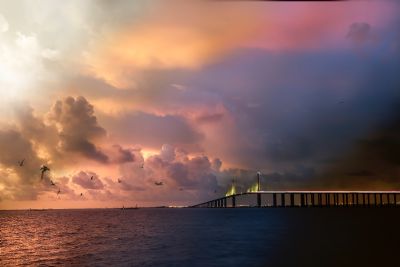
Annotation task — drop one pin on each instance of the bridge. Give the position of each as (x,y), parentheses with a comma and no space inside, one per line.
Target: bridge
(305,199)
(255,197)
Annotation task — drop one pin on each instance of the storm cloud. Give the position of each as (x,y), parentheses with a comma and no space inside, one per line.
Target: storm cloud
(77,127)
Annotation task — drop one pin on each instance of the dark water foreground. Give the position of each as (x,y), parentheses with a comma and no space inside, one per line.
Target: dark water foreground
(201,237)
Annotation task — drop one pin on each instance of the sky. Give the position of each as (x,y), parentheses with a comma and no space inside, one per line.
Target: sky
(114,96)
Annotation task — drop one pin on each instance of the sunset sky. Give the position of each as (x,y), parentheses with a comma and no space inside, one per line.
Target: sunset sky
(196,93)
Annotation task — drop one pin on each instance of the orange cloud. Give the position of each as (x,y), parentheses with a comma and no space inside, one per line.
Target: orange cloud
(174,36)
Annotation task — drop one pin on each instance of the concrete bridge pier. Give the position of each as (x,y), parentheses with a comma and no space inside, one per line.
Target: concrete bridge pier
(283,200)
(259,200)
(327,200)
(302,203)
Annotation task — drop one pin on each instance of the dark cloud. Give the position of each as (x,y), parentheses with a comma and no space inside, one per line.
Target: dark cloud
(85,147)
(359,32)
(216,164)
(290,148)
(122,155)
(179,173)
(78,127)
(374,160)
(84,180)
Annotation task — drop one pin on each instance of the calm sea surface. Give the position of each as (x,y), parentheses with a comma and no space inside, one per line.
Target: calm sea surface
(201,237)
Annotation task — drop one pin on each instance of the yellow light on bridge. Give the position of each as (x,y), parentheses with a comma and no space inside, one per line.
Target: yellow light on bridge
(231,191)
(253,188)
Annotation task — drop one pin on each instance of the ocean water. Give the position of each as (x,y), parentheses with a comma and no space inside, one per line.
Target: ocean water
(201,237)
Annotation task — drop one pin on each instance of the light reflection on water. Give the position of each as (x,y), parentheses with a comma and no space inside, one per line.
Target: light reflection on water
(122,237)
(196,237)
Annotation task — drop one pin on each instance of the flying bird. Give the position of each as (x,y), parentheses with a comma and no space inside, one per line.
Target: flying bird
(44,169)
(52,183)
(21,163)
(158,183)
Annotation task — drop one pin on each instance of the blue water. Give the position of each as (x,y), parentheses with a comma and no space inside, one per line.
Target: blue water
(201,237)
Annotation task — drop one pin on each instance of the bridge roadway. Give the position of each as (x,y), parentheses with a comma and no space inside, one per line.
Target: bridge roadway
(306,199)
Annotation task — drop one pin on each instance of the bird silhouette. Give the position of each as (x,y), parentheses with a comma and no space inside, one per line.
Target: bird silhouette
(91,178)
(44,169)
(21,163)
(158,183)
(52,183)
